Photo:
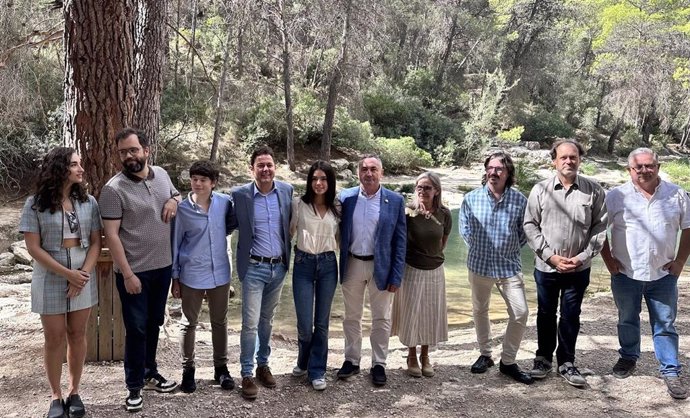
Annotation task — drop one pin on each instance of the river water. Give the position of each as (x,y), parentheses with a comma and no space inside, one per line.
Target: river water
(459,301)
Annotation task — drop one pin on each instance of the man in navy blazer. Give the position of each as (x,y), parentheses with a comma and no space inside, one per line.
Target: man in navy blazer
(261,212)
(373,239)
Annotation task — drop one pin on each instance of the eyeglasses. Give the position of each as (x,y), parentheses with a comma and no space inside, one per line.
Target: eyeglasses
(498,170)
(639,167)
(424,188)
(133,151)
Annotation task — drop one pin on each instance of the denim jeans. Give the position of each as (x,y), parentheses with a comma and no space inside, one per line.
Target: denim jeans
(570,289)
(143,314)
(261,289)
(661,297)
(314,279)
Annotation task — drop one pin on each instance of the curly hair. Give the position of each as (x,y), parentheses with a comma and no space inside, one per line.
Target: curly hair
(51,180)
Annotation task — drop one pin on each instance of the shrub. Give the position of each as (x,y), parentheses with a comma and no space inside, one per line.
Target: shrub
(401,154)
(543,126)
(512,135)
(525,177)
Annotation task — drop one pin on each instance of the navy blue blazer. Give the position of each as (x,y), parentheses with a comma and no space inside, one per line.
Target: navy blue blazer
(242,217)
(390,241)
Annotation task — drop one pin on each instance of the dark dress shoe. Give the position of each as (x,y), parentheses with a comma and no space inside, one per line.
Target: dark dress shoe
(57,409)
(74,406)
(482,364)
(514,371)
(347,370)
(378,375)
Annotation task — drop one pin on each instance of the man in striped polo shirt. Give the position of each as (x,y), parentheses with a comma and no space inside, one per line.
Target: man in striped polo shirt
(491,225)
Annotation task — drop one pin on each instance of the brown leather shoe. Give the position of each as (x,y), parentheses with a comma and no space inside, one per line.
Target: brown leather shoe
(249,388)
(264,376)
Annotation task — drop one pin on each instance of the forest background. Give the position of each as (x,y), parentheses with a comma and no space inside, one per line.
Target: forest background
(420,82)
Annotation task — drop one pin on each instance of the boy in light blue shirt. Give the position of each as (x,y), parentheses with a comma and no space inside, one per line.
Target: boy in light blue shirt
(201,266)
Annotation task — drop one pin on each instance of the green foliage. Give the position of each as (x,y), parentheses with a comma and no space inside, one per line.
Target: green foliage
(401,154)
(628,141)
(589,169)
(179,104)
(393,113)
(543,126)
(351,133)
(512,135)
(678,171)
(525,177)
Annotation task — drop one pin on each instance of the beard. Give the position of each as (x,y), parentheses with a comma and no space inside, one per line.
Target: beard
(134,165)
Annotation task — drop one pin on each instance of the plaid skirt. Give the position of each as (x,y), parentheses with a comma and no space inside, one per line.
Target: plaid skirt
(49,290)
(419,308)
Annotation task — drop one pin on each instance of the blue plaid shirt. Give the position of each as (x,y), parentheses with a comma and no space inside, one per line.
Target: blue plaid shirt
(493,232)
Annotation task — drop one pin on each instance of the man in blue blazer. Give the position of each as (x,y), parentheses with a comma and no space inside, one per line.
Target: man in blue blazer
(373,239)
(262,214)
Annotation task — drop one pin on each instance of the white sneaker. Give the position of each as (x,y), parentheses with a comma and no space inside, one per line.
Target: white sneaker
(319,384)
(297,372)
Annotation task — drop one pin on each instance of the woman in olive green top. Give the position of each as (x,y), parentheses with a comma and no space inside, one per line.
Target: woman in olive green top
(419,308)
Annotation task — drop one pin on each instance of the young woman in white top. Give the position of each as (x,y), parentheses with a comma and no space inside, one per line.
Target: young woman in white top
(315,218)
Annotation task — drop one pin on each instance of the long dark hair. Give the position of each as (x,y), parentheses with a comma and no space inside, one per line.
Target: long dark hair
(51,181)
(310,196)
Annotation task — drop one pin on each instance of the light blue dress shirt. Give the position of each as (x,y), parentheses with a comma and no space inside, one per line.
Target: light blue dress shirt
(365,219)
(200,250)
(268,239)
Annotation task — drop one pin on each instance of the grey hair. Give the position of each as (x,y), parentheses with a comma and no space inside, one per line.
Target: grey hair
(642,150)
(436,182)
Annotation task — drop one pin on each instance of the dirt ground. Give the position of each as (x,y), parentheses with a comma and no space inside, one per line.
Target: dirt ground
(453,392)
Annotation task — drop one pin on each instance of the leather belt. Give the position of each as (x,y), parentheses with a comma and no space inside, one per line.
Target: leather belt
(274,260)
(363,257)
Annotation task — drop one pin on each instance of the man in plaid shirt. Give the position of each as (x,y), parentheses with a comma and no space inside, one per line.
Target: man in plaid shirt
(491,219)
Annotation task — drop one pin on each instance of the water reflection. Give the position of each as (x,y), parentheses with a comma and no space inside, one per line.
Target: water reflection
(457,289)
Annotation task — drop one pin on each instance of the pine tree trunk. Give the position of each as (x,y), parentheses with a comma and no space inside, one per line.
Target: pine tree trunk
(99,82)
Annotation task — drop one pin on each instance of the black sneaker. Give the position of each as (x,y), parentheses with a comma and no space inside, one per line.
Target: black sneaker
(74,406)
(378,375)
(541,368)
(159,384)
(572,375)
(623,368)
(222,376)
(347,370)
(134,401)
(482,364)
(188,384)
(675,387)
(57,409)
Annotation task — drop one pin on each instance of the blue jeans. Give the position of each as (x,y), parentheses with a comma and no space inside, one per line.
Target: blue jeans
(661,297)
(143,314)
(314,280)
(570,289)
(261,289)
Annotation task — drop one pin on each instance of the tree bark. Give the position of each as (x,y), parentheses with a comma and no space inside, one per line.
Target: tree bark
(151,40)
(287,84)
(99,82)
(614,136)
(190,79)
(219,97)
(336,78)
(446,54)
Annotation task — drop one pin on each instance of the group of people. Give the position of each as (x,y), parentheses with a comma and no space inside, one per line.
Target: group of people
(567,220)
(391,250)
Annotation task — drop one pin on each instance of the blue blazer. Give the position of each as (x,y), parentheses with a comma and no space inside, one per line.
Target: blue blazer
(390,240)
(241,217)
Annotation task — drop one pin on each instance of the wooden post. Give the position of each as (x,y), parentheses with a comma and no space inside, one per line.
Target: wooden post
(105,330)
